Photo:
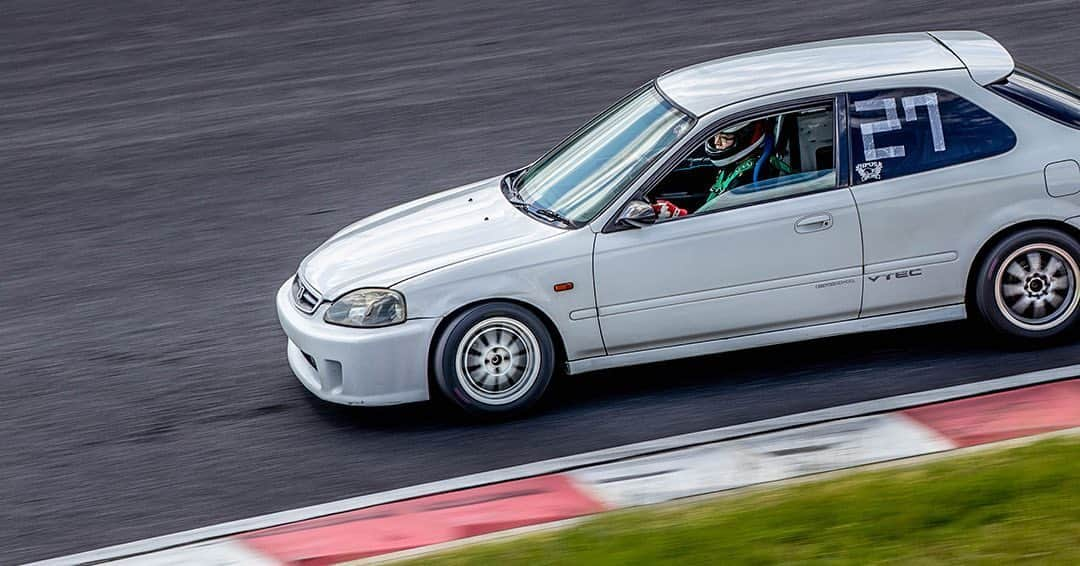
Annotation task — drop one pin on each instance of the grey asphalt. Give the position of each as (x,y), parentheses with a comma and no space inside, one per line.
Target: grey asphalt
(164,166)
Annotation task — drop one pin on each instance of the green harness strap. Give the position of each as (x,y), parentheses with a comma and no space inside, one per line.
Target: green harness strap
(781,165)
(724,181)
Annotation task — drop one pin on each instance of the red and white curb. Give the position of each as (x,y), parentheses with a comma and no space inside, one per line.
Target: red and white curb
(644,473)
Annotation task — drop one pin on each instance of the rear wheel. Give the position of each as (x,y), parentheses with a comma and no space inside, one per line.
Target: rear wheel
(494,359)
(1027,287)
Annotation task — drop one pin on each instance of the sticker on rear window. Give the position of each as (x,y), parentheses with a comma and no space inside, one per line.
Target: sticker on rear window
(869,171)
(892,123)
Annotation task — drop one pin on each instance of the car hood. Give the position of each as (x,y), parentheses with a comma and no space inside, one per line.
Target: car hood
(420,236)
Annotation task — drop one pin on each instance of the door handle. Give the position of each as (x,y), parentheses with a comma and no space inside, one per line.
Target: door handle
(814,223)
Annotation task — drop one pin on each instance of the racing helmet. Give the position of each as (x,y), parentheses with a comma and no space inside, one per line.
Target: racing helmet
(748,137)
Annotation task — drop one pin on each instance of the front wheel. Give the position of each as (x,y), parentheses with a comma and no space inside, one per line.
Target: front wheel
(494,359)
(1027,287)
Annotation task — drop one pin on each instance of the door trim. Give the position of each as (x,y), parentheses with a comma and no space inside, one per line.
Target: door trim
(853,326)
(909,262)
(821,278)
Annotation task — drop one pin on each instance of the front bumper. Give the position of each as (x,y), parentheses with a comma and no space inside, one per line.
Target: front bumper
(357,366)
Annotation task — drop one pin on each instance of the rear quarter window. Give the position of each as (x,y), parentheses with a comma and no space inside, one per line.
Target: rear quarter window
(1043,94)
(901,132)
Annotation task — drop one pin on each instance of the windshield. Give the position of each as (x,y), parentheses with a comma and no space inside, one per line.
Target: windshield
(578,179)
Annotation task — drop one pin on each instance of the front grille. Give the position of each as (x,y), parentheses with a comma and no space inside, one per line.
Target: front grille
(305,299)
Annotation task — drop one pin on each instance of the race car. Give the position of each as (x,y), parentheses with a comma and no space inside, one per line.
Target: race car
(795,193)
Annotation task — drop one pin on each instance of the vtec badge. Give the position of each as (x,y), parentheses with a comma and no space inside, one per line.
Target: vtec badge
(895,275)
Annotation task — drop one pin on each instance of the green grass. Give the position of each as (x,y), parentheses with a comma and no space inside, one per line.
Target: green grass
(1017,505)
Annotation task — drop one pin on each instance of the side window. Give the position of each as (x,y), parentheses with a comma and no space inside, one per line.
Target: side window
(904,131)
(763,158)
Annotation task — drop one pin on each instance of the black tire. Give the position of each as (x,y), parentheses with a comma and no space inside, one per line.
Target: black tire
(473,387)
(1010,287)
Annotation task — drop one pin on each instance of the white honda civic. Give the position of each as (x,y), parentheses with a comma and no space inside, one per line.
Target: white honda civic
(781,195)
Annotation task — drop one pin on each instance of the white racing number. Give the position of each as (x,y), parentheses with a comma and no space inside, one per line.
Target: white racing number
(929,100)
(892,123)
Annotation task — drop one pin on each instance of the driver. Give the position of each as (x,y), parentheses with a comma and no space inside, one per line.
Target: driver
(734,153)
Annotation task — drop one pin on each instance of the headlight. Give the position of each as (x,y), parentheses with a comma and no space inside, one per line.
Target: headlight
(367,308)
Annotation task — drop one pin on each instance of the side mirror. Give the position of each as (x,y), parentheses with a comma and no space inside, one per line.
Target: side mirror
(637,213)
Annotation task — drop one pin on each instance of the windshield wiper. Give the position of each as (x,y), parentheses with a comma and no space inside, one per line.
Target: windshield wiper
(552,215)
(515,199)
(512,194)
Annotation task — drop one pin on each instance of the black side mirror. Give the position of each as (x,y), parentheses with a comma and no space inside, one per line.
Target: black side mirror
(637,213)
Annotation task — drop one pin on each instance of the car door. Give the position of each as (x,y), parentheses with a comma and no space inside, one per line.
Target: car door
(773,259)
(924,210)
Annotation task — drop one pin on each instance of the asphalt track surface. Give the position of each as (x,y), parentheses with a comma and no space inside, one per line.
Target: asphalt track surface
(164,166)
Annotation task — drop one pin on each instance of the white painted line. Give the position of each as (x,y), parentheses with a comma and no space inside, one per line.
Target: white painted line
(774,456)
(842,444)
(568,463)
(221,552)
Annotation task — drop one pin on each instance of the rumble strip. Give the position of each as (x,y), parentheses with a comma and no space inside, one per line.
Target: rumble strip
(639,474)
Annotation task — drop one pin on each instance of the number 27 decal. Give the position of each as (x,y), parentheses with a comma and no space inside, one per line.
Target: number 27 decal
(892,123)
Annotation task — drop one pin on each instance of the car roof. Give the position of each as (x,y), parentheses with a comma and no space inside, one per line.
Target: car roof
(707,86)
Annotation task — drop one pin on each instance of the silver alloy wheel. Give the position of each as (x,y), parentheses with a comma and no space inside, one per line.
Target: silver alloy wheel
(1035,286)
(498,360)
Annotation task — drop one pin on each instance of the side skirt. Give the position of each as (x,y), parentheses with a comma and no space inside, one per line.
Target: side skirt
(871,324)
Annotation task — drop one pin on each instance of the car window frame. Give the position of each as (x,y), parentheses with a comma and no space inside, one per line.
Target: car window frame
(841,158)
(851,145)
